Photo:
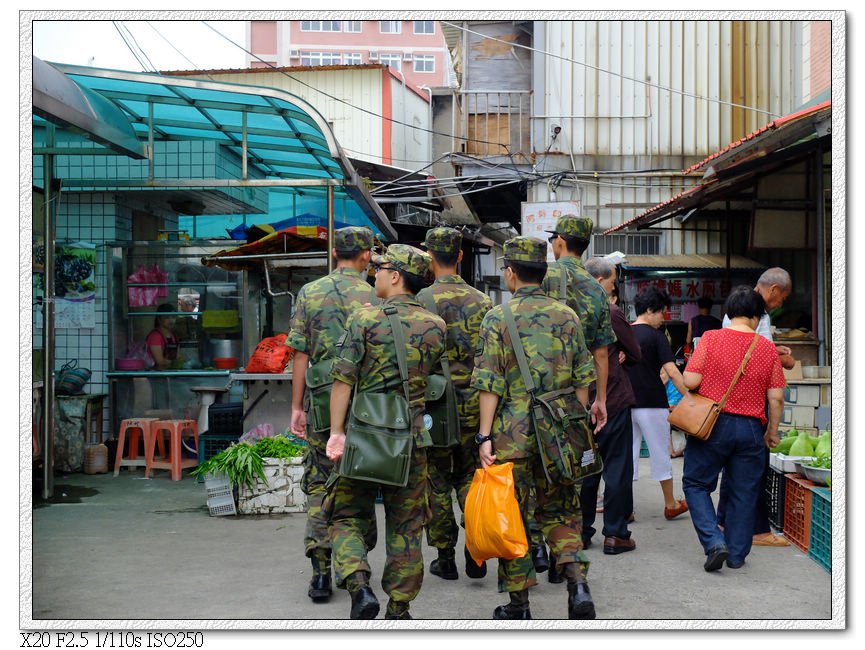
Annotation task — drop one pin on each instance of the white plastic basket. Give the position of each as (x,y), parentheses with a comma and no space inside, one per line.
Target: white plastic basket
(222,505)
(217,485)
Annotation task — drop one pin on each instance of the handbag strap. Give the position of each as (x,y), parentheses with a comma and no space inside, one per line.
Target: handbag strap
(429,302)
(519,352)
(399,344)
(739,371)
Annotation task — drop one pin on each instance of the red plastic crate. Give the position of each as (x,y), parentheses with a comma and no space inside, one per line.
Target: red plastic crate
(797,510)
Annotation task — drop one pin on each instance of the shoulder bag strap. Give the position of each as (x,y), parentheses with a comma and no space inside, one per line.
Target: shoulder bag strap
(563,284)
(430,304)
(520,353)
(739,371)
(399,344)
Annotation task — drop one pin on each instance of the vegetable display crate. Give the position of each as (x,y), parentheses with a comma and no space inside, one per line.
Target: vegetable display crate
(281,492)
(644,450)
(774,488)
(820,547)
(797,510)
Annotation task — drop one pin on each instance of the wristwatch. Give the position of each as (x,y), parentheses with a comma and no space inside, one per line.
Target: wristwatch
(481,439)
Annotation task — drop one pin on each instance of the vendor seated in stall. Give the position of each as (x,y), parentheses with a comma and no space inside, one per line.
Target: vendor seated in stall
(162,342)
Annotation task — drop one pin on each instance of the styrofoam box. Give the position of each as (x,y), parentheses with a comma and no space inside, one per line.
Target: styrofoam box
(787,464)
(802,395)
(799,416)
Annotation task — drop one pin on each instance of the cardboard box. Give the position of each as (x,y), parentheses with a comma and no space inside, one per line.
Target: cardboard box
(826,395)
(798,416)
(795,372)
(801,395)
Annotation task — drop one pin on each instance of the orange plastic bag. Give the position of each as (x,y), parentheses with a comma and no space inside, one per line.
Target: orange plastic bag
(271,355)
(494,526)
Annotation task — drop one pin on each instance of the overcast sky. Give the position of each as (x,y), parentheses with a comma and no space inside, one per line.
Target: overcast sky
(168,45)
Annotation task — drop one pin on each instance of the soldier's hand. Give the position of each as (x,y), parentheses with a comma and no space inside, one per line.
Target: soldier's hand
(335,446)
(599,415)
(298,423)
(486,453)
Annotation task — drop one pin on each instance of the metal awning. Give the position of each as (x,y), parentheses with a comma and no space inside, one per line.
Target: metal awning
(283,144)
(739,164)
(707,262)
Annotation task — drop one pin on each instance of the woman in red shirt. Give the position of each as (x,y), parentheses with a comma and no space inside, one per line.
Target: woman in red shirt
(161,341)
(738,441)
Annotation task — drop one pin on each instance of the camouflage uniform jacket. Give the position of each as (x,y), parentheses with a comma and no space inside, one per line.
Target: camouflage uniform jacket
(368,356)
(321,310)
(556,352)
(463,308)
(585,296)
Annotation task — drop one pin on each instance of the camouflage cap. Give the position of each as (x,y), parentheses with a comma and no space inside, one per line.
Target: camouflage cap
(443,240)
(574,226)
(526,250)
(352,239)
(405,258)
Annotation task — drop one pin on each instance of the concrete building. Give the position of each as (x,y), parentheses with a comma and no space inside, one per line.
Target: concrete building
(414,49)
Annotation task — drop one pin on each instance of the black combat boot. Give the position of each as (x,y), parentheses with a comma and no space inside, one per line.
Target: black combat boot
(517,609)
(445,566)
(580,604)
(319,587)
(472,568)
(540,558)
(397,611)
(364,604)
(555,575)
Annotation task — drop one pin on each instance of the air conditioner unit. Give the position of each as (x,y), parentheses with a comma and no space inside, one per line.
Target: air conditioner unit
(294,54)
(406,56)
(373,55)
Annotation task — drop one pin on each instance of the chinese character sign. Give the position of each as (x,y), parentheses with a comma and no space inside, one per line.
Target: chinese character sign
(683,292)
(539,218)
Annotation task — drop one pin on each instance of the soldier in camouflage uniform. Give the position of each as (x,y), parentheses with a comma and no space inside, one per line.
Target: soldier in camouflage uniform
(557,356)
(369,360)
(462,307)
(587,298)
(318,322)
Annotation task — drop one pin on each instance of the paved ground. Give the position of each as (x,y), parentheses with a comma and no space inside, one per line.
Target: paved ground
(126,548)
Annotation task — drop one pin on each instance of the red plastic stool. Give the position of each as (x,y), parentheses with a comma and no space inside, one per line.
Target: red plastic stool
(135,427)
(175,462)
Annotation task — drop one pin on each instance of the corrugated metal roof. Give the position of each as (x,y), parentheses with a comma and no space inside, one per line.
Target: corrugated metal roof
(707,262)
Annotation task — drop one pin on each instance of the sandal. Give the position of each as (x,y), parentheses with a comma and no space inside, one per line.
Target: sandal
(769,539)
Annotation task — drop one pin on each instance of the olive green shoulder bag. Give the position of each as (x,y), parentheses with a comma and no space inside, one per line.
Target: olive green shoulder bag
(441,415)
(378,437)
(565,442)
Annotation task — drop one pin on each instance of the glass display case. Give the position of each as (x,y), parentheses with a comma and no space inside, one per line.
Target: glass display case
(205,306)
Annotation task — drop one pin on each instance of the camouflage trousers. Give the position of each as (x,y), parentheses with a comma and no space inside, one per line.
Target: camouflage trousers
(317,468)
(450,469)
(558,515)
(351,505)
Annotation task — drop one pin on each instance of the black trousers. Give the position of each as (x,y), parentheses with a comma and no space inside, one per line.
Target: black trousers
(615,444)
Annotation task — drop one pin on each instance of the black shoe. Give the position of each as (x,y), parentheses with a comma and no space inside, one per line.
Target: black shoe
(580,603)
(319,588)
(512,613)
(472,568)
(555,575)
(446,569)
(735,564)
(587,541)
(715,558)
(364,604)
(540,558)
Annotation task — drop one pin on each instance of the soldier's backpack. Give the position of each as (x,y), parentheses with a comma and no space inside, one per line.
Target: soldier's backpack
(565,442)
(378,437)
(441,415)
